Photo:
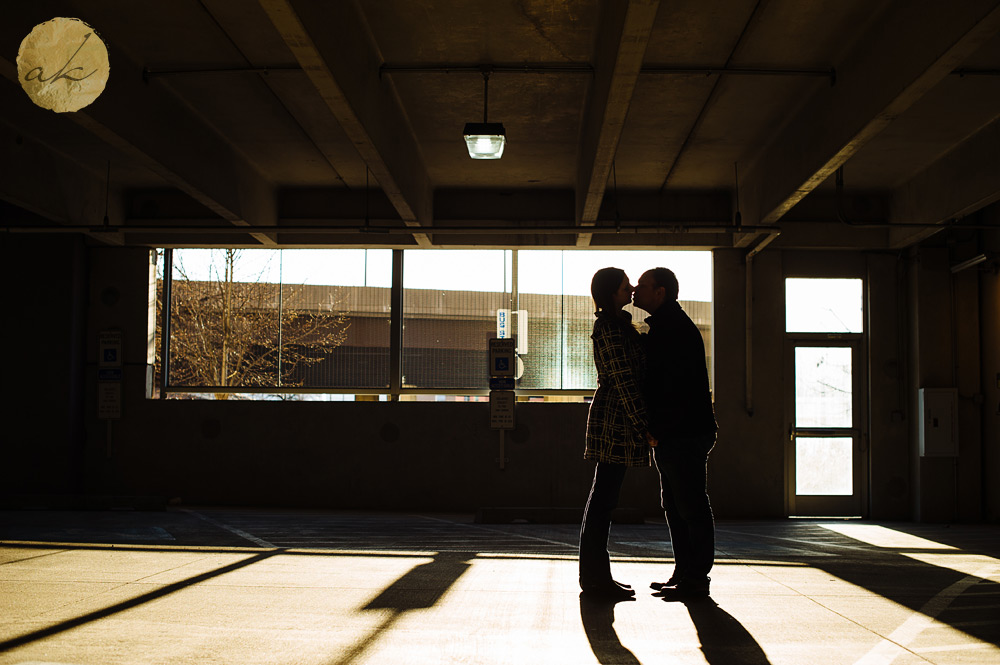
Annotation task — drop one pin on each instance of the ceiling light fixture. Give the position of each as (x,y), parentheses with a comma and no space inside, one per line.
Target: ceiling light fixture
(485,140)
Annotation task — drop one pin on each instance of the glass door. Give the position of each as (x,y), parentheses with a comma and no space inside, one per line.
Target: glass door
(825,455)
(825,438)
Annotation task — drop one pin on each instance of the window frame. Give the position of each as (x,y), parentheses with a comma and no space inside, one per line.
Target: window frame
(393,391)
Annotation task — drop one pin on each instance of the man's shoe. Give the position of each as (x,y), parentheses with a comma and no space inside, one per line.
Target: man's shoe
(607,592)
(660,586)
(687,589)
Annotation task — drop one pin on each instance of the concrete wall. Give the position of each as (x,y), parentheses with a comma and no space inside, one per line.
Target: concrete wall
(747,469)
(41,372)
(989,306)
(946,353)
(395,456)
(888,416)
(443,456)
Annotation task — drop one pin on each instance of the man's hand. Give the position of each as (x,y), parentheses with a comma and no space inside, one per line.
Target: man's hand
(651,440)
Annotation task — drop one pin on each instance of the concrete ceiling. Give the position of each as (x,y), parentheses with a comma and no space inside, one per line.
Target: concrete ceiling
(292,123)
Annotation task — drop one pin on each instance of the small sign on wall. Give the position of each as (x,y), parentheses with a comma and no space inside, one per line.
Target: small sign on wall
(109,374)
(109,400)
(501,409)
(502,357)
(109,348)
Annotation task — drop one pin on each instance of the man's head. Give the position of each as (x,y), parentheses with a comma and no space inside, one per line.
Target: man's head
(654,288)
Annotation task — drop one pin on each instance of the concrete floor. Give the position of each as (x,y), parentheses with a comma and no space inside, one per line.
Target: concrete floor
(250,586)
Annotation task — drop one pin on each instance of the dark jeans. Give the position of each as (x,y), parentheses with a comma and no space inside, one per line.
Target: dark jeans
(683,467)
(595,562)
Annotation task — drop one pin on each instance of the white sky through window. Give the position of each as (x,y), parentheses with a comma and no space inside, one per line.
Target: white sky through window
(540,271)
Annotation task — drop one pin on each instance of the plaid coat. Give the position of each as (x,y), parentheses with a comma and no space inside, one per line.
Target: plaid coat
(617,422)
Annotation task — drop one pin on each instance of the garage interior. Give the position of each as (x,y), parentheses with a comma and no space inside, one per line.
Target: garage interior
(820,140)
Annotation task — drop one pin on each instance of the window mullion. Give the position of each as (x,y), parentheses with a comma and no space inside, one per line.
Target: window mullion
(396,326)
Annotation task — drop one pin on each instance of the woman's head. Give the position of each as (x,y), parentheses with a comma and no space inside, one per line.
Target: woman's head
(610,289)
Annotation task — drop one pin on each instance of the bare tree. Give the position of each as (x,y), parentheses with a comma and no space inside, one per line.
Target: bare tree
(229,333)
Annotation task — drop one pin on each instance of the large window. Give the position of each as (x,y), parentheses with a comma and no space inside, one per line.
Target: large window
(554,296)
(279,319)
(319,323)
(450,303)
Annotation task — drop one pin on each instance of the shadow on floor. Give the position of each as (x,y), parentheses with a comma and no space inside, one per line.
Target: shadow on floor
(420,587)
(598,618)
(724,640)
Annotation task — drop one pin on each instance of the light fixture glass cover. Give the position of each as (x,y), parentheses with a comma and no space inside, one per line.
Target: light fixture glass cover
(485,140)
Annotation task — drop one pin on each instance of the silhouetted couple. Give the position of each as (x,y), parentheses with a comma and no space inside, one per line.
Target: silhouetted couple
(652,400)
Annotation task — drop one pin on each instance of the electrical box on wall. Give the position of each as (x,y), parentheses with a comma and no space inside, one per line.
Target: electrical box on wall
(938,422)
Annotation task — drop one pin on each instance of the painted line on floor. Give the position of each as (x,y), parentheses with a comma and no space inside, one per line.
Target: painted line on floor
(955,647)
(895,644)
(231,529)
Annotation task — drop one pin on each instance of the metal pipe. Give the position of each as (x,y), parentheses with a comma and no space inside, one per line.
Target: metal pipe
(527,68)
(506,229)
(738,71)
(748,314)
(150,72)
(774,233)
(477,68)
(587,68)
(748,333)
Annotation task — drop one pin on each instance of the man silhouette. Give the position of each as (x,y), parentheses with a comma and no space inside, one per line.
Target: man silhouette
(682,428)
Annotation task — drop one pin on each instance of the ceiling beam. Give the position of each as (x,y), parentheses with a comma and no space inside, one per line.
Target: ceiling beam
(909,49)
(147,124)
(340,57)
(300,102)
(965,180)
(623,33)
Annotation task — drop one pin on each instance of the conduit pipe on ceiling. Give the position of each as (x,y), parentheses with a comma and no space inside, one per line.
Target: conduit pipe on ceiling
(587,68)
(396,230)
(842,217)
(153,71)
(503,229)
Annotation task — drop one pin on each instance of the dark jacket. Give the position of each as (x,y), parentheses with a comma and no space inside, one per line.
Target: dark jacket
(678,397)
(617,423)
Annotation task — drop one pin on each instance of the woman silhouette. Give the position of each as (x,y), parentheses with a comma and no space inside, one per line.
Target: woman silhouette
(617,427)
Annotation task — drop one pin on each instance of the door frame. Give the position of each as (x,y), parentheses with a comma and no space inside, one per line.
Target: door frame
(829,505)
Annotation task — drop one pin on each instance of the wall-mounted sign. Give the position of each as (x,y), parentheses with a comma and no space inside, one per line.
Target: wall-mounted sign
(506,328)
(504,324)
(109,400)
(109,374)
(109,348)
(501,409)
(63,65)
(501,355)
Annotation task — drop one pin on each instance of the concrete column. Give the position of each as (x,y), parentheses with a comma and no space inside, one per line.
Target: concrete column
(888,421)
(42,441)
(118,300)
(747,468)
(989,307)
